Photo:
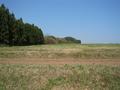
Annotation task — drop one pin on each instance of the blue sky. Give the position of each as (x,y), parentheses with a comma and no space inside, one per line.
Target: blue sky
(92,21)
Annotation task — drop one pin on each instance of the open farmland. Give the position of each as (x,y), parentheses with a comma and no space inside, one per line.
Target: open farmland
(59,77)
(60,67)
(61,54)
(58,51)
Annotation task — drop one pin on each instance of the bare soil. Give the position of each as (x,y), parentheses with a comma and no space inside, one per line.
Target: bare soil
(58,61)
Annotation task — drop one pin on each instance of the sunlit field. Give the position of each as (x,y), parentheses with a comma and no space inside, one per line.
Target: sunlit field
(32,74)
(62,77)
(92,51)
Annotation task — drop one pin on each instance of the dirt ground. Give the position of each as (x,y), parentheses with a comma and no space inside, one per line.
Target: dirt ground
(59,61)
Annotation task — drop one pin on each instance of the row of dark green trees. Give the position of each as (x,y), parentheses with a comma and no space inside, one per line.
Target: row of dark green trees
(15,32)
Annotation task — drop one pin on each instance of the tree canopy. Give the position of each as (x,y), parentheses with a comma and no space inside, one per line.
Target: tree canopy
(15,32)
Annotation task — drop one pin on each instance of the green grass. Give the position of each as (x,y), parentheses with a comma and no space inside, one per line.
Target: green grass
(96,51)
(62,77)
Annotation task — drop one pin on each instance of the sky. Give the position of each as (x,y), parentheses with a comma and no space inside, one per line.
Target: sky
(91,21)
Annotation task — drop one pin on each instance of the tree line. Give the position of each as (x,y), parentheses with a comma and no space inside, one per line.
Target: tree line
(56,40)
(15,32)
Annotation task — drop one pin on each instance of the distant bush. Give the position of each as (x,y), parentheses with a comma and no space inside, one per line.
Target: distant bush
(56,40)
(72,40)
(50,40)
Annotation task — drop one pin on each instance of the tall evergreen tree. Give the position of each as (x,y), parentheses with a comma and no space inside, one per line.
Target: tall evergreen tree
(11,25)
(16,32)
(4,25)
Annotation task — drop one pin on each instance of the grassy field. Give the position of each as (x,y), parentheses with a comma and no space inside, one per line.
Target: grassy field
(66,76)
(108,51)
(62,77)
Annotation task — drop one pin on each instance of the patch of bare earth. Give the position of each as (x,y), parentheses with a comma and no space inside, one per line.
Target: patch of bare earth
(58,61)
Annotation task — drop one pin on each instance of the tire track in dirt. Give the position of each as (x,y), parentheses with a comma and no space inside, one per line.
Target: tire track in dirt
(59,61)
